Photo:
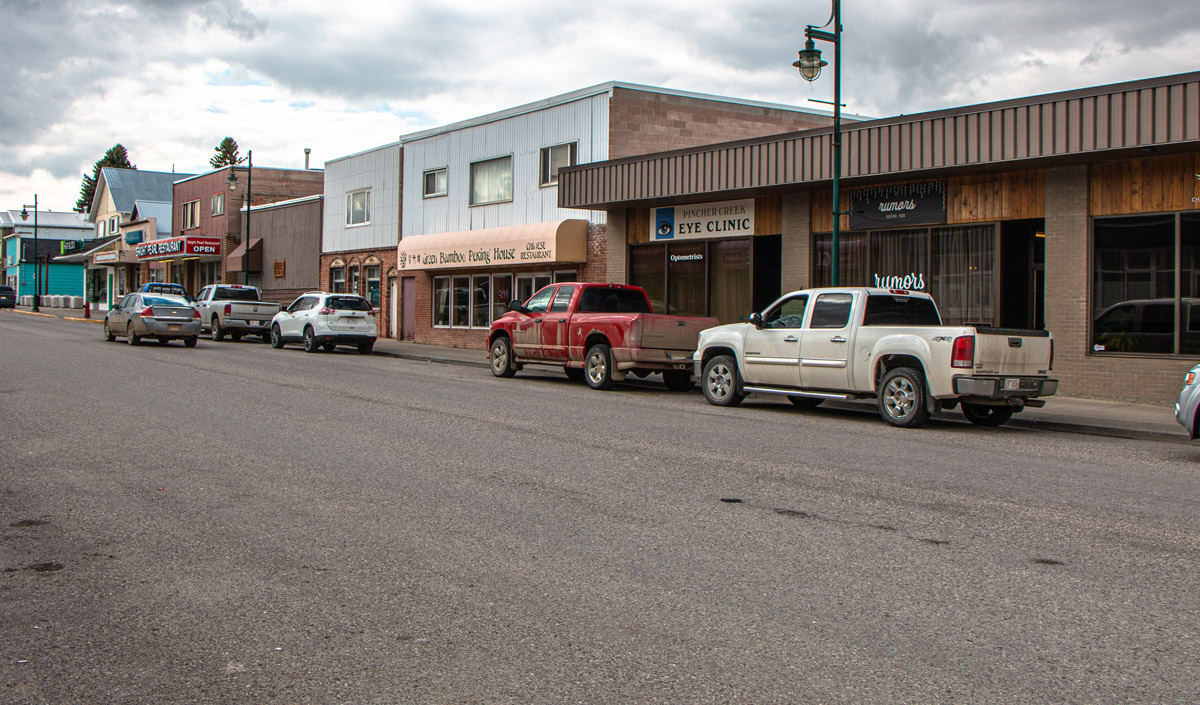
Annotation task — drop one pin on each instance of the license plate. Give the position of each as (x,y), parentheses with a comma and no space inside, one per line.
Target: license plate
(174,326)
(254,323)
(1012,385)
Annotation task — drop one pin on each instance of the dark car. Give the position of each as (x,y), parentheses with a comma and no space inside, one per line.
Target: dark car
(8,297)
(164,288)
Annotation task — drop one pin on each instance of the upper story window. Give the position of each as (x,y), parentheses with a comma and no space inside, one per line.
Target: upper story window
(358,207)
(491,181)
(113,223)
(101,228)
(191,214)
(555,158)
(218,204)
(435,183)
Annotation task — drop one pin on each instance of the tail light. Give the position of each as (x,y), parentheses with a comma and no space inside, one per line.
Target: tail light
(963,354)
(1052,353)
(195,313)
(635,331)
(228,309)
(371,312)
(147,313)
(327,311)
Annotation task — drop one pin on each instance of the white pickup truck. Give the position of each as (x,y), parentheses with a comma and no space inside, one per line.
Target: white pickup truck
(235,310)
(861,343)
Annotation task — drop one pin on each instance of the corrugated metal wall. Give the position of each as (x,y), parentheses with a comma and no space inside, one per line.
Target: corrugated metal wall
(523,136)
(378,170)
(1147,114)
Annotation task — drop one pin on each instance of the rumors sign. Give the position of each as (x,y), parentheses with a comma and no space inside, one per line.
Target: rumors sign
(898,206)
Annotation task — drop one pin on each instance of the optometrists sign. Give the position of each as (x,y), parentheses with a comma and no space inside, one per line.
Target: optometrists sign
(703,220)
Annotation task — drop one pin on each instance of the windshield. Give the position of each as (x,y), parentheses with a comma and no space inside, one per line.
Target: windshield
(599,299)
(347,303)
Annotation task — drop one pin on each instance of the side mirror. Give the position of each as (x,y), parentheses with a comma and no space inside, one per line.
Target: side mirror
(515,305)
(756,319)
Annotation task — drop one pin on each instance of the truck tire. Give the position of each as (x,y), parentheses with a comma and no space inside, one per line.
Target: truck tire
(678,380)
(501,358)
(720,382)
(217,333)
(804,402)
(597,367)
(902,398)
(276,337)
(236,335)
(575,374)
(985,415)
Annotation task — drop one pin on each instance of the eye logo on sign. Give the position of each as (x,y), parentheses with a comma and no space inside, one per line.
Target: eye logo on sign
(666,224)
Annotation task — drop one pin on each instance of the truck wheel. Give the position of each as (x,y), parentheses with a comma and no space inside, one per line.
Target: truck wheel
(597,367)
(266,337)
(310,340)
(678,380)
(575,374)
(902,398)
(804,402)
(276,338)
(217,333)
(720,382)
(985,415)
(501,358)
(236,335)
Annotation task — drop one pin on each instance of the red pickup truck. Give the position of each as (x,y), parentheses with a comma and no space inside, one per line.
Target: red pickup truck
(596,332)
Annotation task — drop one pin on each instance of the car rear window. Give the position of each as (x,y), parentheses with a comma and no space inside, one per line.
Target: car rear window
(599,299)
(6,290)
(885,310)
(164,301)
(347,303)
(227,294)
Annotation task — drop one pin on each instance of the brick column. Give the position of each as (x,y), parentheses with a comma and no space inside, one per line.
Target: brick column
(796,266)
(617,249)
(1067,271)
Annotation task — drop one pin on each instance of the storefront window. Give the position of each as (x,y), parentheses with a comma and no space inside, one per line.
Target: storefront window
(647,269)
(853,259)
(353,280)
(480,301)
(502,294)
(729,280)
(462,301)
(1134,300)
(441,301)
(686,278)
(373,285)
(963,274)
(527,284)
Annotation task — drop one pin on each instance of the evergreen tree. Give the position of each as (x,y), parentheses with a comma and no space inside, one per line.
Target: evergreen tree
(117,157)
(226,154)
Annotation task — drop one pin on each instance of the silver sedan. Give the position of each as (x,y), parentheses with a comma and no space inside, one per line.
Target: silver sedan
(159,316)
(1189,398)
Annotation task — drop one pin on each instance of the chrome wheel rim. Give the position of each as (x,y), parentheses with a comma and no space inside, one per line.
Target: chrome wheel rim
(275,335)
(719,382)
(499,357)
(899,397)
(597,367)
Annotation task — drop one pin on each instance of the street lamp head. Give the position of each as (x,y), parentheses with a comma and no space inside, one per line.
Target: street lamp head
(24,213)
(810,63)
(232,181)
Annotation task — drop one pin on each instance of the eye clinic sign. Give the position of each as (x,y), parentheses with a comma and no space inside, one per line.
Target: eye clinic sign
(703,220)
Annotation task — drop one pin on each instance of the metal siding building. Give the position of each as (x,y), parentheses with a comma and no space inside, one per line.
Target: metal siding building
(377,170)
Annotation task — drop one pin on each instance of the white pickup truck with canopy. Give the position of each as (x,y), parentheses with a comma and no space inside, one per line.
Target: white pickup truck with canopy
(888,344)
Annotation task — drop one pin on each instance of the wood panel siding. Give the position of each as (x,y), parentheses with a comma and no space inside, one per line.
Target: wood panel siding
(1071,127)
(1151,185)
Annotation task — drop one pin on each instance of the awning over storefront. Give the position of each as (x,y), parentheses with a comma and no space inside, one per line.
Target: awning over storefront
(554,242)
(233,263)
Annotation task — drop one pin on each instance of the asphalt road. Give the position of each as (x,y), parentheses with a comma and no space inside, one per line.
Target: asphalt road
(236,524)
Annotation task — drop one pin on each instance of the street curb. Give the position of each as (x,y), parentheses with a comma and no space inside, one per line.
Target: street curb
(83,320)
(34,313)
(1083,429)
(429,358)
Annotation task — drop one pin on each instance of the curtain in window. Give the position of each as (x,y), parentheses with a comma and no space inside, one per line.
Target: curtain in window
(853,260)
(729,285)
(491,181)
(647,269)
(963,274)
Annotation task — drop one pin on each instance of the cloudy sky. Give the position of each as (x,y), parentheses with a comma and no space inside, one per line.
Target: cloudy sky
(170,78)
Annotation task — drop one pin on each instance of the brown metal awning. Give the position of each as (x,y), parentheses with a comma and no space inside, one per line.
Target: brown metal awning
(552,242)
(233,263)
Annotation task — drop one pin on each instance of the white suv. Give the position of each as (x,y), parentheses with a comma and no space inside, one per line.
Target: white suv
(323,320)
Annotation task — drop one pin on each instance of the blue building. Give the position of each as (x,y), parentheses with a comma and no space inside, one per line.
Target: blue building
(56,231)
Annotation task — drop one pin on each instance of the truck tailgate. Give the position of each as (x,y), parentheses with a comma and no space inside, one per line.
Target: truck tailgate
(667,332)
(251,311)
(1012,352)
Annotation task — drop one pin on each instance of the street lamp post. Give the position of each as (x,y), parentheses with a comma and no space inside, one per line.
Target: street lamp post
(37,279)
(810,65)
(232,181)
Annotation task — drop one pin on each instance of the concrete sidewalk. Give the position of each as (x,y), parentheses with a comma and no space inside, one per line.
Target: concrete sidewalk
(1061,413)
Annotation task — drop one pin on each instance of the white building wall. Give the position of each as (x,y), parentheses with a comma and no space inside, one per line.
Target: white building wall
(377,169)
(584,121)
